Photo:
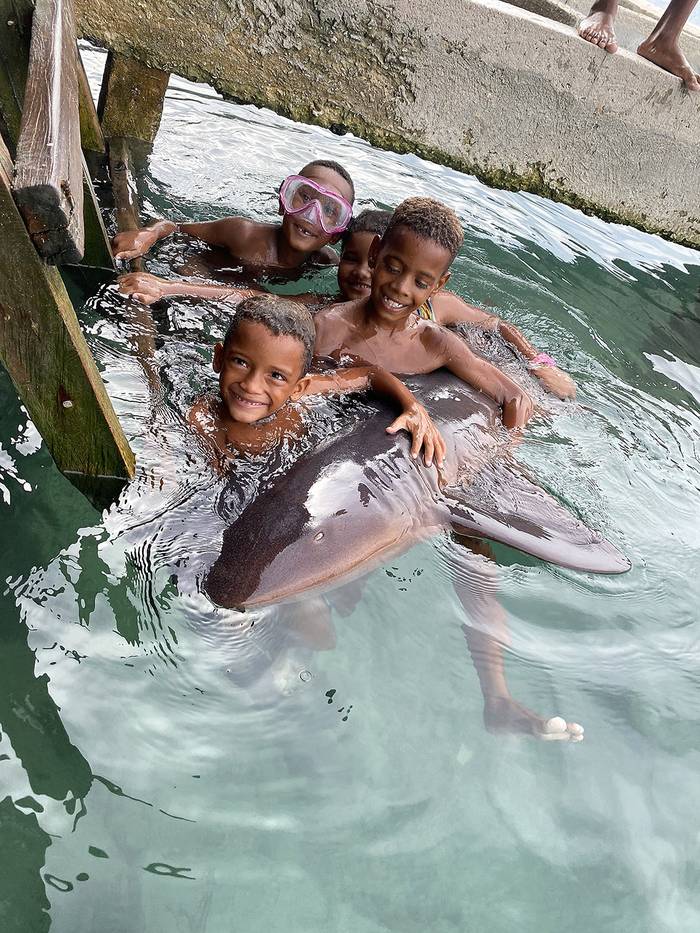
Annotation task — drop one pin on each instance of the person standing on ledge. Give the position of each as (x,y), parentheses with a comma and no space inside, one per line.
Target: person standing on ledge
(661,47)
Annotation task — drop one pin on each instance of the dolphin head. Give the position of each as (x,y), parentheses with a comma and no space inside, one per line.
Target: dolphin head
(307,532)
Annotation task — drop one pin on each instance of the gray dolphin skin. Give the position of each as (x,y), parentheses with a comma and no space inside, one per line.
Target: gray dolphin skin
(360,498)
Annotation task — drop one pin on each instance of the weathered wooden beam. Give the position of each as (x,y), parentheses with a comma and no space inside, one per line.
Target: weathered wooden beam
(98,251)
(48,166)
(14,56)
(131,98)
(126,203)
(126,200)
(15,32)
(91,138)
(44,351)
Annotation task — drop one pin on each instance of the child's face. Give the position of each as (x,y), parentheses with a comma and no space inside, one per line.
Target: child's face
(300,233)
(258,372)
(354,272)
(407,270)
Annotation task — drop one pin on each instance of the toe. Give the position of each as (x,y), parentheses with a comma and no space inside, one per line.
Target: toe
(558,729)
(554,729)
(612,46)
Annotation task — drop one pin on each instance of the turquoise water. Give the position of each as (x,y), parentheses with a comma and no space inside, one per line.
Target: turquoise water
(163,767)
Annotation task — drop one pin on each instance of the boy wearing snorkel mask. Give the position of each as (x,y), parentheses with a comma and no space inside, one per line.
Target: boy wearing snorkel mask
(316,207)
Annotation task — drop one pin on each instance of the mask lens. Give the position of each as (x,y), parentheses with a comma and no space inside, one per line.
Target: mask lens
(332,212)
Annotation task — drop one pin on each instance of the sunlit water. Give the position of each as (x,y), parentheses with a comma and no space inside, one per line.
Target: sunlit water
(166,767)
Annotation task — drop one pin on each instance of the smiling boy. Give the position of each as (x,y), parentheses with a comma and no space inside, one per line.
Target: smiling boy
(263,365)
(410,265)
(316,206)
(444,307)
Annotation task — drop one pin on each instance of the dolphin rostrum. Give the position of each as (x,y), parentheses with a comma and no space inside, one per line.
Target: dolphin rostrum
(360,498)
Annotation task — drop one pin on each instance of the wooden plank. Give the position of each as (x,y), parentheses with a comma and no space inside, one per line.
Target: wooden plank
(15,32)
(98,250)
(91,138)
(131,98)
(44,351)
(48,167)
(126,201)
(14,56)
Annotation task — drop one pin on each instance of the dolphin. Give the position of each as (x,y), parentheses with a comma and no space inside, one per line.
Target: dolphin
(359,499)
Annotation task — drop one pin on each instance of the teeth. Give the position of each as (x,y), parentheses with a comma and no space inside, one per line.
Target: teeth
(394,305)
(246,401)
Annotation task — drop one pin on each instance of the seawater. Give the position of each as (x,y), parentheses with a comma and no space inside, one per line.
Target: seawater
(164,767)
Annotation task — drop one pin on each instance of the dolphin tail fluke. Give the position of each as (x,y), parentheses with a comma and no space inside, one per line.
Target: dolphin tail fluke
(504,505)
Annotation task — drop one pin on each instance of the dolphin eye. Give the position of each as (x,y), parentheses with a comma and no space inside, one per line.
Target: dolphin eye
(318,536)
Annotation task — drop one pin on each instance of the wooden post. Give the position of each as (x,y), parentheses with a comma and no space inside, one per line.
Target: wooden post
(98,251)
(44,351)
(14,54)
(91,138)
(126,203)
(15,32)
(131,98)
(48,166)
(126,199)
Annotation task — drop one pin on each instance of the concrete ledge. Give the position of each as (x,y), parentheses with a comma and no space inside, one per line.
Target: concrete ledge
(514,98)
(633,23)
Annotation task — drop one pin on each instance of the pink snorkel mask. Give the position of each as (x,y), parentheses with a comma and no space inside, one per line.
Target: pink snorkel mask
(304,198)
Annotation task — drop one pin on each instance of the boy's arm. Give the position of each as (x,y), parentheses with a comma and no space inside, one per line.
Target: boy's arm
(134,243)
(149,288)
(458,358)
(451,309)
(414,418)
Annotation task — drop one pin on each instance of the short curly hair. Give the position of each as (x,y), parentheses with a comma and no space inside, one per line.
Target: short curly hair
(430,220)
(368,221)
(334,167)
(282,317)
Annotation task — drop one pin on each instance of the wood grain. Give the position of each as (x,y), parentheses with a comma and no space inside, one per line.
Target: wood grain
(44,351)
(49,170)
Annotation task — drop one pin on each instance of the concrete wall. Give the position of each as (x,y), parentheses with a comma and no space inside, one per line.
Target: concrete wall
(516,99)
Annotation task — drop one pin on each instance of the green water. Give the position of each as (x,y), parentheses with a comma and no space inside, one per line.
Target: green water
(163,770)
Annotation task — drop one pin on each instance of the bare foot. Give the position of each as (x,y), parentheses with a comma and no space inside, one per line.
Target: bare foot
(598,29)
(503,714)
(668,55)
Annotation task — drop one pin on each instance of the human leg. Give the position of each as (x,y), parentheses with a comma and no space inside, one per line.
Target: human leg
(598,27)
(662,46)
(475,583)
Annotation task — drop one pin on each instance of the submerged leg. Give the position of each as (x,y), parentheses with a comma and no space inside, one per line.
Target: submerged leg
(597,28)
(662,46)
(476,583)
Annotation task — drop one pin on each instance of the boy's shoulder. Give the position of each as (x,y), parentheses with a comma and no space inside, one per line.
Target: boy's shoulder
(345,311)
(203,414)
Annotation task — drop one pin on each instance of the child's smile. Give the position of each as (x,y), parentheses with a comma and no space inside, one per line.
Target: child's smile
(354,272)
(258,372)
(407,270)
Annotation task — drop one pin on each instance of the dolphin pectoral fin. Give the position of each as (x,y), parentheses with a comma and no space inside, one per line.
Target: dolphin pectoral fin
(506,506)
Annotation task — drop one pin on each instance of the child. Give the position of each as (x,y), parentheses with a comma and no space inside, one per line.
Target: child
(410,265)
(355,279)
(316,207)
(263,364)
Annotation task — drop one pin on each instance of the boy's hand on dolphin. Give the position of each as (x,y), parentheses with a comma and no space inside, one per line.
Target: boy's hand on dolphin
(424,434)
(556,381)
(143,286)
(517,410)
(133,243)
